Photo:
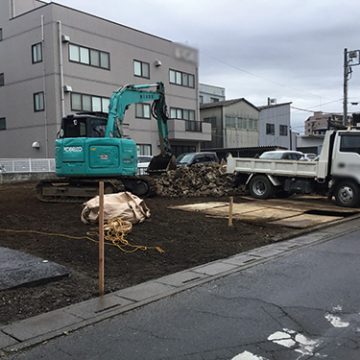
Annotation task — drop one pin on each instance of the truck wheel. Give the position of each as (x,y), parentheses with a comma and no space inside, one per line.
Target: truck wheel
(347,194)
(260,187)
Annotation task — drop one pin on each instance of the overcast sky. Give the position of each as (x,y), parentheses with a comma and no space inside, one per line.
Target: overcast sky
(291,50)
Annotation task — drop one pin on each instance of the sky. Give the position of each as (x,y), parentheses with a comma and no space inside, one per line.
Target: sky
(290,50)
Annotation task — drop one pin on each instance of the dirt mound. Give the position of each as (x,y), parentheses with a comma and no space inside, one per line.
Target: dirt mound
(197,181)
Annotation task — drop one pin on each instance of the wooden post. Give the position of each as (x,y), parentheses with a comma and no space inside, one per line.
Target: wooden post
(101,240)
(231,211)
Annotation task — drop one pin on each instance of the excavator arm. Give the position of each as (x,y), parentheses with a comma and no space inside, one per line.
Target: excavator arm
(134,94)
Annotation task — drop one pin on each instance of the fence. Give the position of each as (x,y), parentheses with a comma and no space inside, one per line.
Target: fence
(12,166)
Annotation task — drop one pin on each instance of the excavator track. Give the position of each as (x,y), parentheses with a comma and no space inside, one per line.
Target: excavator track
(69,190)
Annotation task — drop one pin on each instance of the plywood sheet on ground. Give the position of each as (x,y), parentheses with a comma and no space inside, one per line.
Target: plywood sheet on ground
(269,214)
(199,206)
(250,212)
(284,212)
(18,268)
(305,220)
(238,209)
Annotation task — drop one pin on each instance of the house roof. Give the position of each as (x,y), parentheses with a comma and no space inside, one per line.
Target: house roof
(226,103)
(273,105)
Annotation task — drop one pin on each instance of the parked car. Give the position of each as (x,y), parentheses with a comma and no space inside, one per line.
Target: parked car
(189,159)
(283,155)
(310,156)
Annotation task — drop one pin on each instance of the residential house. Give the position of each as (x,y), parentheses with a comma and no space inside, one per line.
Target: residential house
(234,123)
(211,93)
(274,125)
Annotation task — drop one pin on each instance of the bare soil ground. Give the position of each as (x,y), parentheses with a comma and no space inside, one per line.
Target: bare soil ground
(188,238)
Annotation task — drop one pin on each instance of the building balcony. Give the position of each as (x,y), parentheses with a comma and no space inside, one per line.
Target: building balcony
(189,130)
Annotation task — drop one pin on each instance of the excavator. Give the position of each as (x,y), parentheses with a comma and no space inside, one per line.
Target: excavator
(91,147)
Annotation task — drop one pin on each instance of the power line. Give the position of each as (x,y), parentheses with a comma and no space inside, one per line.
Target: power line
(257,76)
(308,110)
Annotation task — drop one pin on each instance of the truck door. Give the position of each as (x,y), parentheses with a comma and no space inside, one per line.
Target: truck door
(346,155)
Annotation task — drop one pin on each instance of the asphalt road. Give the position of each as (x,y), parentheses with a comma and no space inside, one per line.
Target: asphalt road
(300,306)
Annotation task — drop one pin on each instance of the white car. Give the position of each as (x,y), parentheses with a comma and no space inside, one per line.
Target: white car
(283,155)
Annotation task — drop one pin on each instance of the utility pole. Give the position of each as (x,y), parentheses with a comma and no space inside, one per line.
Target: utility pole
(351,58)
(346,66)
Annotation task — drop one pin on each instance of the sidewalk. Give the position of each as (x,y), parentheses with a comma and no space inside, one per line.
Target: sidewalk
(32,331)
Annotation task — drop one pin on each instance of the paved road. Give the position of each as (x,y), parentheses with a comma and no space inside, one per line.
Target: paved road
(300,306)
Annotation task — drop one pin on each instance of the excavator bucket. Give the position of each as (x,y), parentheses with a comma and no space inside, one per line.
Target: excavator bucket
(161,163)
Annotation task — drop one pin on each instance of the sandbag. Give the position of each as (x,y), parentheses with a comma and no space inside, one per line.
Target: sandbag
(125,205)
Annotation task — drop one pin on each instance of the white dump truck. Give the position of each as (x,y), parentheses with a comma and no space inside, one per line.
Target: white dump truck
(336,173)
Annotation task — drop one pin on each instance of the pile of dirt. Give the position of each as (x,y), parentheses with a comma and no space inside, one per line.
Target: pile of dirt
(199,180)
(188,239)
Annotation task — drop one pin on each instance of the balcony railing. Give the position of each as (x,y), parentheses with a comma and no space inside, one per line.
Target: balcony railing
(194,126)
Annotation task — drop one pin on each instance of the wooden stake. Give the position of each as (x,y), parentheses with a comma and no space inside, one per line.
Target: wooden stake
(231,211)
(101,240)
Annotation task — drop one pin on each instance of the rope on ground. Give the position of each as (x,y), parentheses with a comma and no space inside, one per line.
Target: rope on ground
(115,231)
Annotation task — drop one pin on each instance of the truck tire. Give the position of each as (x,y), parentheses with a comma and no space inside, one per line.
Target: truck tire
(260,187)
(347,194)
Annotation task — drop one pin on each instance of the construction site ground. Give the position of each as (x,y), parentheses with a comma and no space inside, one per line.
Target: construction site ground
(191,231)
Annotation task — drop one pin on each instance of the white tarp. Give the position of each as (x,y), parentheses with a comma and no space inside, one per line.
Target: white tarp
(125,205)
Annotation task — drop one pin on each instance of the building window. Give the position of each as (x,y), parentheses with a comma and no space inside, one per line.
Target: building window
(2,123)
(214,100)
(182,114)
(1,34)
(87,56)
(2,79)
(39,101)
(36,53)
(201,99)
(91,103)
(143,111)
(270,129)
(141,69)
(237,122)
(283,130)
(181,78)
(144,149)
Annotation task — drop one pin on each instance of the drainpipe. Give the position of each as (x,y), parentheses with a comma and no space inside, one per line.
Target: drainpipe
(61,69)
(44,89)
(12,9)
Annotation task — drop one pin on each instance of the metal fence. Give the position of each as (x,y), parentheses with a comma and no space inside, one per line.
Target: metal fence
(12,166)
(27,165)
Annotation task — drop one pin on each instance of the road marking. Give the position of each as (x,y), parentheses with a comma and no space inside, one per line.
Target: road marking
(246,355)
(296,341)
(336,321)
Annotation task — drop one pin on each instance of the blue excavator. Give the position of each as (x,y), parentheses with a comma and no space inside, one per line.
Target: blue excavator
(91,147)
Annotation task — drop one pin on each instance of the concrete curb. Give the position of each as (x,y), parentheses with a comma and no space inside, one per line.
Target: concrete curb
(41,328)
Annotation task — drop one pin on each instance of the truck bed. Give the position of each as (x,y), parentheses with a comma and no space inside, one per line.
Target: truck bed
(272,167)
